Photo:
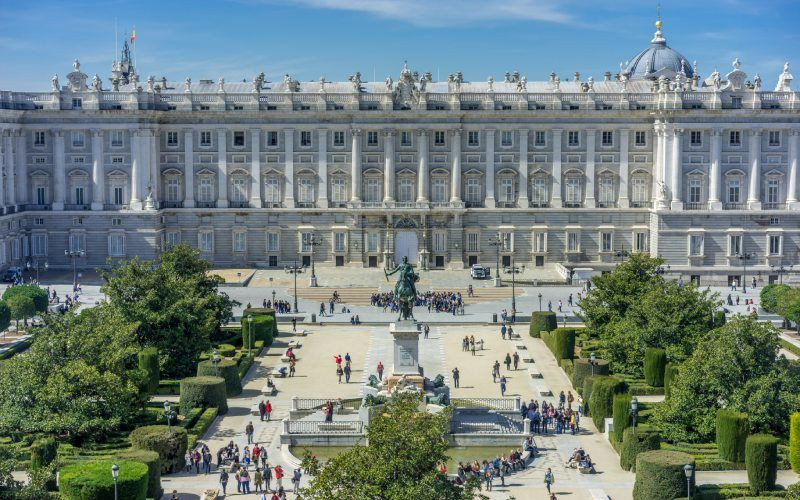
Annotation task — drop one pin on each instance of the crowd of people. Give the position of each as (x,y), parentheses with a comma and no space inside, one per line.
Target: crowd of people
(559,419)
(487,471)
(447,302)
(249,468)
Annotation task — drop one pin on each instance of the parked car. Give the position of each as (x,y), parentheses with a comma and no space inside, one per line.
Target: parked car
(12,273)
(478,272)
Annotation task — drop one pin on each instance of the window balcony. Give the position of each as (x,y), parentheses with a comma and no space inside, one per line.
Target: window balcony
(573,204)
(473,204)
(695,206)
(112,206)
(606,204)
(272,204)
(733,206)
(539,204)
(206,204)
(306,204)
(506,204)
(172,204)
(641,204)
(75,206)
(36,207)
(774,206)
(239,204)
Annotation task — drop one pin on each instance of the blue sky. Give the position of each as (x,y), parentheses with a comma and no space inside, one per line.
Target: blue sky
(335,38)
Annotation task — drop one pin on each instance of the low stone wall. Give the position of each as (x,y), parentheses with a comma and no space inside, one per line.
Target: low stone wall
(322,439)
(510,440)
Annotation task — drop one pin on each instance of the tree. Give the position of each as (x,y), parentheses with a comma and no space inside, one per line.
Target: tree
(399,461)
(5,316)
(79,377)
(771,294)
(174,301)
(734,367)
(36,293)
(21,307)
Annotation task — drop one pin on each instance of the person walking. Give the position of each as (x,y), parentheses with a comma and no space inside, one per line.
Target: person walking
(267,476)
(249,430)
(279,476)
(292,364)
(426,330)
(508,362)
(339,372)
(296,481)
(268,410)
(223,481)
(294,324)
(456,376)
(261,409)
(258,481)
(503,331)
(549,479)
(380,370)
(516,359)
(503,386)
(347,373)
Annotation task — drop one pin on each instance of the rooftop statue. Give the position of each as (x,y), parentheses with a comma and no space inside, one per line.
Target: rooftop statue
(405,290)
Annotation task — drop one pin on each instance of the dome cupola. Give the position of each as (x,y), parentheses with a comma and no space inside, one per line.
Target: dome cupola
(656,60)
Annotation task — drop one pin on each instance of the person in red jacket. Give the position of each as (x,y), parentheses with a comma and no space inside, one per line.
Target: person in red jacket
(380,370)
(267,410)
(279,476)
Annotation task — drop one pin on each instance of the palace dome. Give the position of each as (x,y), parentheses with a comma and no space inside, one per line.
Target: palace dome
(656,60)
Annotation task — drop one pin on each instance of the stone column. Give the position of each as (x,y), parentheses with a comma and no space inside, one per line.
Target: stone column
(794,147)
(98,170)
(753,193)
(288,171)
(322,163)
(255,168)
(658,160)
(677,170)
(714,175)
(355,167)
(11,166)
(624,138)
(222,167)
(455,174)
(146,158)
(522,202)
(388,166)
(22,192)
(188,168)
(555,197)
(155,166)
(591,137)
(8,159)
(490,201)
(59,171)
(423,177)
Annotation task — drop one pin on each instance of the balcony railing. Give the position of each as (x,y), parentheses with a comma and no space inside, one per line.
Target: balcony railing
(694,206)
(172,204)
(573,204)
(774,206)
(76,206)
(34,206)
(606,204)
(473,204)
(539,204)
(733,206)
(112,206)
(506,204)
(239,204)
(641,204)
(206,204)
(272,204)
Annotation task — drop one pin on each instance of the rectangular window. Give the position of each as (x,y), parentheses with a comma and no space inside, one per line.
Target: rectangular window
(205,190)
(439,242)
(338,190)
(338,138)
(172,238)
(405,190)
(573,138)
(373,242)
(439,190)
(640,138)
(173,189)
(695,191)
(472,242)
(573,242)
(205,138)
(39,244)
(239,241)
(572,190)
(116,221)
(305,190)
(272,190)
(473,138)
(39,138)
(606,189)
(508,242)
(774,137)
(607,138)
(696,245)
(735,138)
(116,245)
(118,195)
(340,242)
(540,242)
(77,103)
(238,139)
(539,138)
(734,190)
(77,242)
(38,221)
(272,242)
(734,244)
(172,138)
(539,189)
(773,191)
(117,160)
(79,195)
(507,138)
(372,138)
(239,189)
(272,138)
(640,242)
(206,241)
(116,138)
(438,138)
(506,190)
(736,102)
(78,139)
(606,242)
(372,189)
(696,138)
(473,190)
(774,244)
(405,138)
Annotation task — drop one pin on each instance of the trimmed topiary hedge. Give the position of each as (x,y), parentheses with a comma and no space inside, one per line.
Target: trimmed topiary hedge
(170,445)
(621,413)
(732,430)
(203,391)
(761,457)
(148,361)
(93,481)
(660,475)
(226,350)
(153,463)
(263,328)
(794,441)
(601,398)
(37,294)
(655,361)
(227,369)
(670,372)
(542,321)
(43,451)
(586,393)
(582,369)
(562,343)
(719,319)
(260,311)
(645,439)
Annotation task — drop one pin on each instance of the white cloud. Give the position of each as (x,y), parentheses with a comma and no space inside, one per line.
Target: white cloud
(446,12)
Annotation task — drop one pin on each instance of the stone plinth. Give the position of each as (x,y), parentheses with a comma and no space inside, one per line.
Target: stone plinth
(416,380)
(406,348)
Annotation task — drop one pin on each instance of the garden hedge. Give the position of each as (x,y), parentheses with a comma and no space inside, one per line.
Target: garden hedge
(43,452)
(148,361)
(227,369)
(621,405)
(542,321)
(761,457)
(35,293)
(719,319)
(670,372)
(794,441)
(263,330)
(226,350)
(655,361)
(582,369)
(732,430)
(202,425)
(644,439)
(93,481)
(562,343)
(586,392)
(203,391)
(170,445)
(153,463)
(5,320)
(660,475)
(601,398)
(260,311)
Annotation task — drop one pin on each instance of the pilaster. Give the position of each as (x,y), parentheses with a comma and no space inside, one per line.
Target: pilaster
(388,165)
(624,145)
(490,177)
(791,187)
(555,198)
(754,151)
(222,168)
(522,201)
(355,166)
(255,168)
(22,194)
(98,174)
(677,170)
(423,177)
(322,163)
(455,174)
(591,138)
(715,174)
(188,167)
(288,172)
(59,171)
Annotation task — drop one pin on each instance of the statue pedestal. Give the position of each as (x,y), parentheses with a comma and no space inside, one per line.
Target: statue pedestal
(406,355)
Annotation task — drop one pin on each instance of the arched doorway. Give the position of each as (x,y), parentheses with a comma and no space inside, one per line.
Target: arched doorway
(406,244)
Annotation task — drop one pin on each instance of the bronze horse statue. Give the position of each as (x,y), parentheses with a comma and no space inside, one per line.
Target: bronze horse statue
(405,290)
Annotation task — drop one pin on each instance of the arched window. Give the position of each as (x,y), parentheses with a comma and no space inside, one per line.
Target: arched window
(606,189)
(338,187)
(406,189)
(506,186)
(306,186)
(540,189)
(734,184)
(473,187)
(372,186)
(695,190)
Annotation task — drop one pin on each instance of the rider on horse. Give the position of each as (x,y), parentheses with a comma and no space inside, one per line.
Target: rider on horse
(405,291)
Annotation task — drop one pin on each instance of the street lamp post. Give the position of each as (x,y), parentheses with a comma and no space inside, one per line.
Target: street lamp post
(744,257)
(540,302)
(74,254)
(496,242)
(592,360)
(662,270)
(215,362)
(621,254)
(295,270)
(115,475)
(634,410)
(514,270)
(250,335)
(779,269)
(688,470)
(30,265)
(313,242)
(168,413)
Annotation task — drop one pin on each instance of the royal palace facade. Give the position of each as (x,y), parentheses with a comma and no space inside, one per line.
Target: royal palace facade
(573,172)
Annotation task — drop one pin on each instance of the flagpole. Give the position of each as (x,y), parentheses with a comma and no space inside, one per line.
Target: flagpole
(133,42)
(116,38)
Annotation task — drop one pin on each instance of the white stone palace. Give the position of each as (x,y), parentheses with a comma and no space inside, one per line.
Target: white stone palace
(576,172)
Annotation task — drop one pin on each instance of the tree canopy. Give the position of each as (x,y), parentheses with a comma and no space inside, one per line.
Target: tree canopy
(399,462)
(174,302)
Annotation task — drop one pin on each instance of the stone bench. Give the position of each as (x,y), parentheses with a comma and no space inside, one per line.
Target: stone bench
(534,372)
(295,344)
(542,387)
(302,333)
(285,359)
(520,347)
(525,356)
(254,409)
(269,391)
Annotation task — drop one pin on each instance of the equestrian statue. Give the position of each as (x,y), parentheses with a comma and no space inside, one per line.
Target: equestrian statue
(405,291)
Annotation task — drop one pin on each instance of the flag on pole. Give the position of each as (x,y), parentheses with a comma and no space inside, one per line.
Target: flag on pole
(133,34)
